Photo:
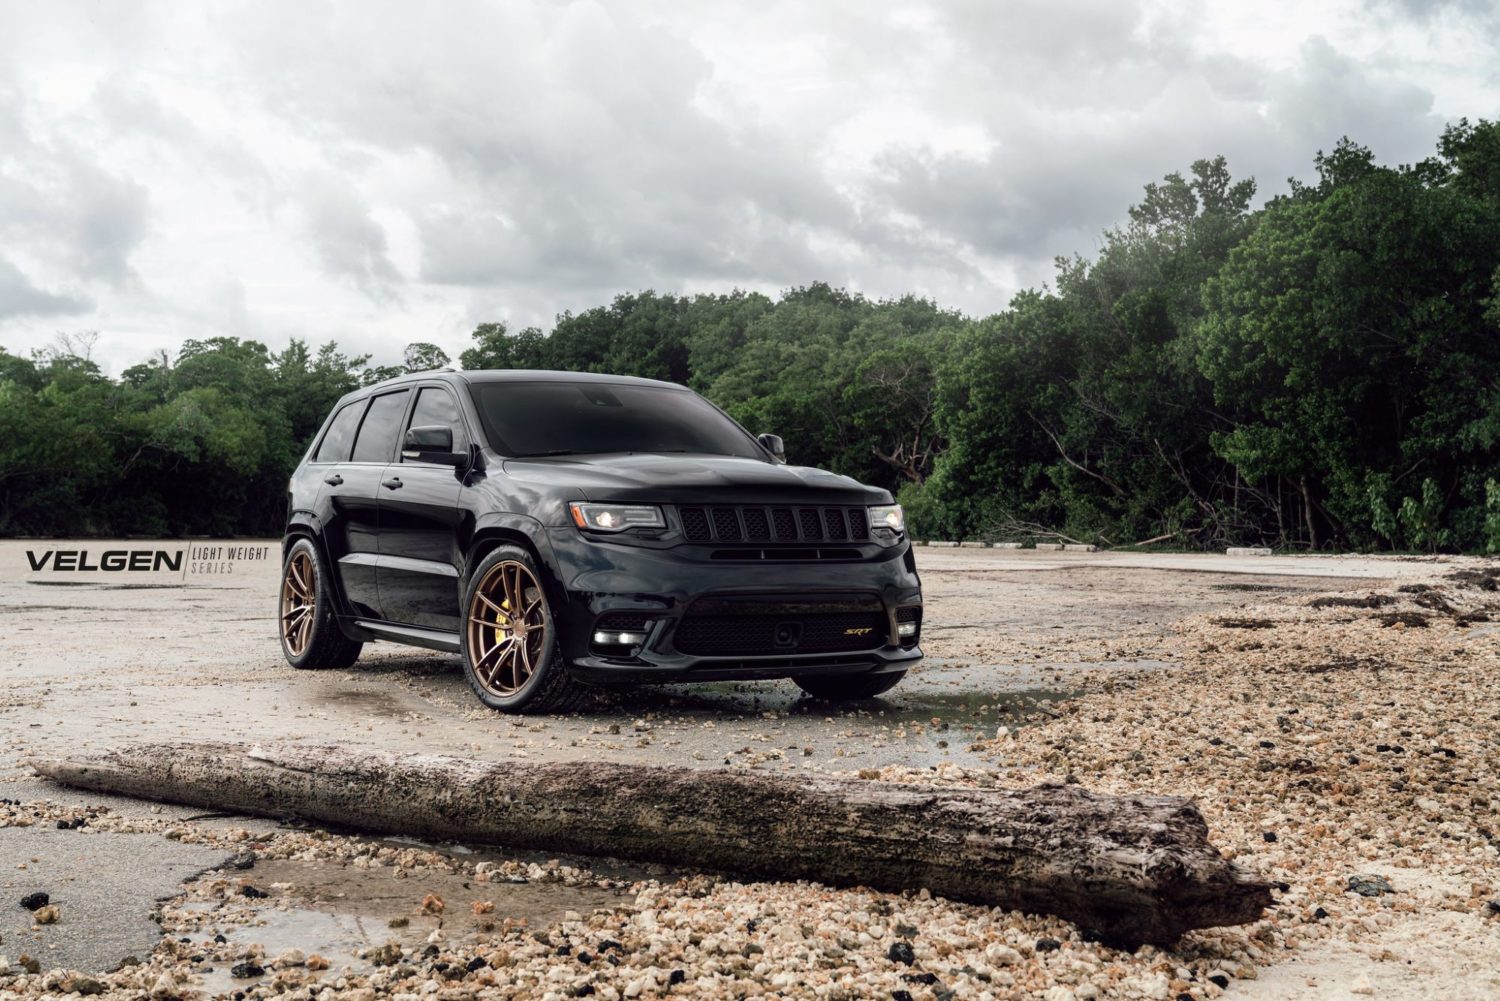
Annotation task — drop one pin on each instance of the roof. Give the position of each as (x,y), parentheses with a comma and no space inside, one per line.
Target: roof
(543,375)
(483,375)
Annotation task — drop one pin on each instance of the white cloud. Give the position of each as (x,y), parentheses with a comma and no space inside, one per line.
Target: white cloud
(382,173)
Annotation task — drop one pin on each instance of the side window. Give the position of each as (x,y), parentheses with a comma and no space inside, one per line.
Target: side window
(377,435)
(436,406)
(335,444)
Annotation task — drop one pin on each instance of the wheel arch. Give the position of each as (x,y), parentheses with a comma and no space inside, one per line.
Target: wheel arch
(307,528)
(525,533)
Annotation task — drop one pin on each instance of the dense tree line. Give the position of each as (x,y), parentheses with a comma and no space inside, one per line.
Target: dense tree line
(1321,372)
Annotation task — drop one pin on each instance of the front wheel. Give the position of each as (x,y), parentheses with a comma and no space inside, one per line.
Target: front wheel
(849,688)
(511,655)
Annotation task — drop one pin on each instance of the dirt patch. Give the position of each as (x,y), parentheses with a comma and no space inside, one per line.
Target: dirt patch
(1345,601)
(1482,578)
(1230,622)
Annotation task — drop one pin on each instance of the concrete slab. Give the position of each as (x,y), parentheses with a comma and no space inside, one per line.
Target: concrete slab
(1048,547)
(105,887)
(1005,545)
(1080,547)
(1248,551)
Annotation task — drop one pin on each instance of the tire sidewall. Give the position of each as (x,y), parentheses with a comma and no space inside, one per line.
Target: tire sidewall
(551,657)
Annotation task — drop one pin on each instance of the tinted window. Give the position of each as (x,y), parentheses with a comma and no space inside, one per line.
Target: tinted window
(538,418)
(377,435)
(436,406)
(335,444)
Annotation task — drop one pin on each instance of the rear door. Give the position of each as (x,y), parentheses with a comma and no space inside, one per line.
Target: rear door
(421,521)
(352,500)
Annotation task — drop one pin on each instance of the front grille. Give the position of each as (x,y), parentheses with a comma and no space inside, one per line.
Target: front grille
(768,627)
(726,524)
(757,523)
(695,523)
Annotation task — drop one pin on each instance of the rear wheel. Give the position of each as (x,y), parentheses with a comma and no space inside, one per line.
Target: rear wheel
(511,655)
(848,688)
(310,636)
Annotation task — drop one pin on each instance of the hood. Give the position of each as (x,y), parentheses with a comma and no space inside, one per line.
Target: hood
(690,479)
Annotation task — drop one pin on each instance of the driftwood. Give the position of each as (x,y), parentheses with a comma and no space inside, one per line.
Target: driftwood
(1131,868)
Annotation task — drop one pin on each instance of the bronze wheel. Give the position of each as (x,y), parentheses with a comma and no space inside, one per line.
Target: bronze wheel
(299,602)
(306,624)
(508,628)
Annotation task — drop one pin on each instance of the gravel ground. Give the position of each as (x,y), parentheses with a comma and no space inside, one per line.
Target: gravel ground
(1338,732)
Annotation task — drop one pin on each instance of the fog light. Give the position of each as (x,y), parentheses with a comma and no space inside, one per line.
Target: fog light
(906,629)
(612,638)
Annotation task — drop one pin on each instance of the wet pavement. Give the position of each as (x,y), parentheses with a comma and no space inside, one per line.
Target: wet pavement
(105,888)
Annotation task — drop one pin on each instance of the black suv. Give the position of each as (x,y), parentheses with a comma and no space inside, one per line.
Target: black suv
(562,530)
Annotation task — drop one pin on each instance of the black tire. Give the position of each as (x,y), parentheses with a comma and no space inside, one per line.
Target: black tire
(849,687)
(314,639)
(550,687)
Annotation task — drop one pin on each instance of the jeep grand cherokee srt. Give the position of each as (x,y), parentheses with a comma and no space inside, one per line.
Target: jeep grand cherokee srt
(562,530)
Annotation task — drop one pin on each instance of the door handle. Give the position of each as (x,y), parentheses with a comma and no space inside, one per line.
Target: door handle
(333,480)
(394,483)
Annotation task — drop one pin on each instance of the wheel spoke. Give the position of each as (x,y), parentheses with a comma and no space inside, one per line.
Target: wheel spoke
(507,585)
(299,579)
(494,607)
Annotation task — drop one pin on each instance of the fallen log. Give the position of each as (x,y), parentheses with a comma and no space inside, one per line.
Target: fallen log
(1131,868)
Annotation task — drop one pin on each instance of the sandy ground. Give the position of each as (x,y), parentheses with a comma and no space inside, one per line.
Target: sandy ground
(1201,675)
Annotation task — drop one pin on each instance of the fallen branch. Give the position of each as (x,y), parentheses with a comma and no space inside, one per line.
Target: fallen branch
(1133,868)
(1151,541)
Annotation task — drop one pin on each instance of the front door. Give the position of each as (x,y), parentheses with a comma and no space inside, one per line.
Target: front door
(352,501)
(420,521)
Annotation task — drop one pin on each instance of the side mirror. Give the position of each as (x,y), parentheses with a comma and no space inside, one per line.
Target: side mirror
(432,443)
(772,443)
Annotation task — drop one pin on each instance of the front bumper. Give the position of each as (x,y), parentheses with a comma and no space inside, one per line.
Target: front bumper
(603,580)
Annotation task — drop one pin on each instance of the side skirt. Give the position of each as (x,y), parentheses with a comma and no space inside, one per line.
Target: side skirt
(431,639)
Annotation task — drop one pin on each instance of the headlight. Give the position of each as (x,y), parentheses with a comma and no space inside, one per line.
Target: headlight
(616,517)
(888,516)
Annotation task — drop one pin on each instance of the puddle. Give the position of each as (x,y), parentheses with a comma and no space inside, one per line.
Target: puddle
(337,912)
(338,938)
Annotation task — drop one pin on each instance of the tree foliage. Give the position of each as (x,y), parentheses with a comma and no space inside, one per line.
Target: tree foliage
(1321,372)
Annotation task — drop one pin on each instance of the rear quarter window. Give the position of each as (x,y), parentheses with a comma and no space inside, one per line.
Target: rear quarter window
(336,443)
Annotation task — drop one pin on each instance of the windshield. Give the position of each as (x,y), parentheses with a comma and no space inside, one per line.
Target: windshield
(575,418)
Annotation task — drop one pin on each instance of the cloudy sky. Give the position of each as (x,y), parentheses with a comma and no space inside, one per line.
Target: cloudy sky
(380,173)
